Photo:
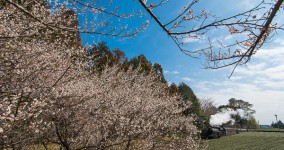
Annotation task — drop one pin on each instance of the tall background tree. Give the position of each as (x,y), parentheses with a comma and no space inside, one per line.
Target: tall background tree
(244,117)
(208,107)
(188,96)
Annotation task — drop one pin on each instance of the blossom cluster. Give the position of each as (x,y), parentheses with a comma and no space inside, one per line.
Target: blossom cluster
(46,97)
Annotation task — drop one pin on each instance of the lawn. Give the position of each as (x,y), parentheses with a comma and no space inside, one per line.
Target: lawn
(249,141)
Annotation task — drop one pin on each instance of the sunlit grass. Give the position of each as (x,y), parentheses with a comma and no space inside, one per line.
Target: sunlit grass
(249,141)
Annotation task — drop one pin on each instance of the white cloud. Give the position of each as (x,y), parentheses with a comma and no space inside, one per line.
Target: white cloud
(279,41)
(233,78)
(199,39)
(268,64)
(229,37)
(175,72)
(187,79)
(171,72)
(271,53)
(189,40)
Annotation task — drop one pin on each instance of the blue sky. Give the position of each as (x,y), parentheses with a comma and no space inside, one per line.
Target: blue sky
(261,82)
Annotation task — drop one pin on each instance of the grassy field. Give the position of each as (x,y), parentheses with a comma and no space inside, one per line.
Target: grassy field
(249,141)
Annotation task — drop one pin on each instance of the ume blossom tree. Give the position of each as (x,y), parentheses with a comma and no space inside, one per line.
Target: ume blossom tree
(47,96)
(119,108)
(35,59)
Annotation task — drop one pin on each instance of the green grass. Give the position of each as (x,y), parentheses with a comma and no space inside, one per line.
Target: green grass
(249,141)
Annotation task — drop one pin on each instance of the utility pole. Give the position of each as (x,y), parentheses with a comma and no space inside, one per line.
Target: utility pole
(276,121)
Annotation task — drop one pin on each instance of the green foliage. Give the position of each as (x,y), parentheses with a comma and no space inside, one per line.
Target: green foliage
(247,120)
(252,123)
(173,89)
(145,66)
(226,107)
(278,124)
(159,71)
(241,104)
(142,64)
(118,56)
(100,56)
(188,96)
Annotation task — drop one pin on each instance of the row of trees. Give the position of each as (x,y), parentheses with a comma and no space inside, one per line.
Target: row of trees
(55,90)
